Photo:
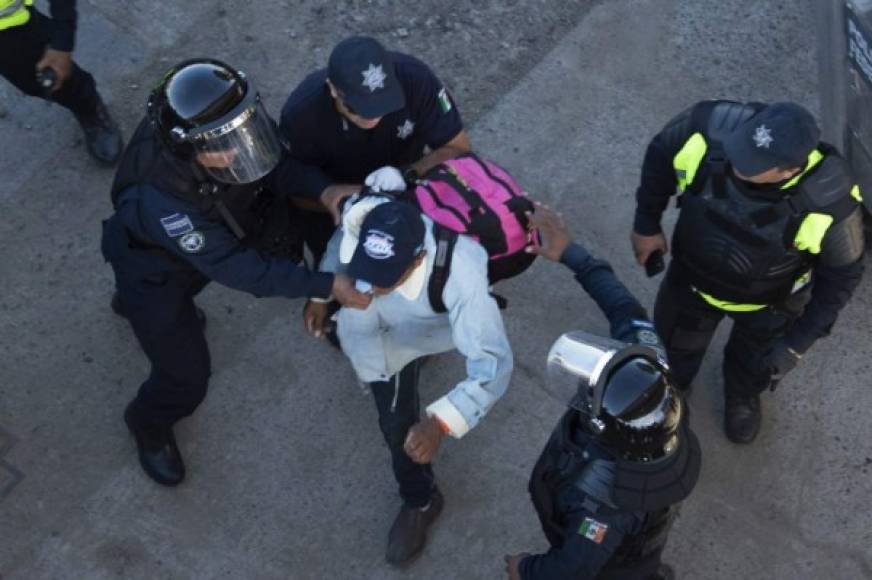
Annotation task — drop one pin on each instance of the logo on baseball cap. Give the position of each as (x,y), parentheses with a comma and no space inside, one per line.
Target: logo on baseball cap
(391,236)
(363,72)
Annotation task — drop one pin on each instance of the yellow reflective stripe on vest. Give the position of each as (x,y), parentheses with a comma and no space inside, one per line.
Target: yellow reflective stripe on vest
(855,193)
(687,161)
(814,158)
(16,18)
(812,231)
(729,306)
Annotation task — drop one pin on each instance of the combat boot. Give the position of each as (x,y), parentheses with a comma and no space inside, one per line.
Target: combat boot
(408,534)
(102,136)
(742,418)
(159,455)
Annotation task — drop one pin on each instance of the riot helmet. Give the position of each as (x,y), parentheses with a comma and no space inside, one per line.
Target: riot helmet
(621,391)
(205,110)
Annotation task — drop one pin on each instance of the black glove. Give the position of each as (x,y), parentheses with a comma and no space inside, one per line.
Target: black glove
(781,360)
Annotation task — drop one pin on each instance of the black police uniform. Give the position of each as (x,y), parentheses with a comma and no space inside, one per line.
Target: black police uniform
(606,517)
(22,46)
(173,231)
(342,152)
(736,242)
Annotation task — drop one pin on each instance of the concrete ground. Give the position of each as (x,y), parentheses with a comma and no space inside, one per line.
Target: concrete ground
(288,477)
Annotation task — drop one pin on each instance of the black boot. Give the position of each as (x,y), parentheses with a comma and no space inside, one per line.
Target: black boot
(409,532)
(158,454)
(102,136)
(742,418)
(119,309)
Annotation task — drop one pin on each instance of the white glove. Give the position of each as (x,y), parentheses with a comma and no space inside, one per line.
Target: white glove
(387,178)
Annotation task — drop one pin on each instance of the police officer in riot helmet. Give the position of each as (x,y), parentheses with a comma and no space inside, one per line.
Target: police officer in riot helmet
(198,196)
(607,485)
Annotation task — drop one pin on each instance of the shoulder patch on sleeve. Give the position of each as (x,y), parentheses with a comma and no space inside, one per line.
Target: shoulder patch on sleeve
(177,224)
(192,242)
(593,530)
(444,101)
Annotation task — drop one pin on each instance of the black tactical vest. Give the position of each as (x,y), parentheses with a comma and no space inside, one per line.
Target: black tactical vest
(650,491)
(738,246)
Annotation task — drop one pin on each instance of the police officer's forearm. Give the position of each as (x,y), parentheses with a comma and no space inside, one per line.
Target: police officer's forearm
(598,279)
(296,179)
(62,28)
(458,146)
(833,288)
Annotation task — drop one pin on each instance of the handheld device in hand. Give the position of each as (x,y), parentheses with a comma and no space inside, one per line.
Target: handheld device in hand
(46,79)
(654,264)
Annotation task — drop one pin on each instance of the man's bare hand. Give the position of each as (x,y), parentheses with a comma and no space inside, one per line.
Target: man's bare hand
(423,440)
(332,197)
(553,232)
(59,61)
(347,295)
(644,246)
(315,318)
(512,565)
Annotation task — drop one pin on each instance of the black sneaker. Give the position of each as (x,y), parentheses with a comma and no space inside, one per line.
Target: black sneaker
(742,418)
(408,534)
(102,136)
(158,453)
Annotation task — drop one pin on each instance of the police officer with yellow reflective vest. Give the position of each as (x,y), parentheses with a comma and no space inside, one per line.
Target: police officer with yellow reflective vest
(198,196)
(769,234)
(36,56)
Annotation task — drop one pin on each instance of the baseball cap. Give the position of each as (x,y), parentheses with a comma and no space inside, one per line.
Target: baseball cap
(363,72)
(780,135)
(391,235)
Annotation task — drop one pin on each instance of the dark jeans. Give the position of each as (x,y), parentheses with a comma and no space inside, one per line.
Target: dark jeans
(21,47)
(398,409)
(686,324)
(161,310)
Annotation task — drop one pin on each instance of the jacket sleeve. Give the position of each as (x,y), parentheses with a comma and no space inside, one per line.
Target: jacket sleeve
(658,181)
(478,334)
(615,301)
(591,540)
(214,250)
(62,27)
(301,170)
(295,178)
(837,273)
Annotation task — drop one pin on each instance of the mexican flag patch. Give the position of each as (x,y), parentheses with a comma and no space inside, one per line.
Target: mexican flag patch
(593,530)
(444,101)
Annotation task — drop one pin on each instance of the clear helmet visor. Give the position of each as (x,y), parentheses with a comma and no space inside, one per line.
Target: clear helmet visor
(242,149)
(579,364)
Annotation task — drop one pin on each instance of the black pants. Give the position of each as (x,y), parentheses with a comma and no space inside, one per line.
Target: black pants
(21,47)
(398,409)
(161,310)
(686,324)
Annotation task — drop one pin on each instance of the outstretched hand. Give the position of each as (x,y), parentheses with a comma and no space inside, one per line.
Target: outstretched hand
(553,232)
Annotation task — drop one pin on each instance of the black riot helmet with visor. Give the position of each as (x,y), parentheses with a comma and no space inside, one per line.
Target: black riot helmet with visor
(207,111)
(621,391)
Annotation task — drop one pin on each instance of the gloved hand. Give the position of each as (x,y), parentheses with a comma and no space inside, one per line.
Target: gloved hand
(781,360)
(387,178)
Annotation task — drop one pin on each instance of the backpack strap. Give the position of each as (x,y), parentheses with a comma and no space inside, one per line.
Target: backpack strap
(445,241)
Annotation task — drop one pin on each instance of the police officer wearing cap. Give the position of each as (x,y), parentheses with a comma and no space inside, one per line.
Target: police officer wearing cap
(373,116)
(197,198)
(36,55)
(608,483)
(769,234)
(391,248)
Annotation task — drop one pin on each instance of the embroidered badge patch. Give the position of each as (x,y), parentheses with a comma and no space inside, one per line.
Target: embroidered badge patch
(192,242)
(444,101)
(374,77)
(406,129)
(763,137)
(593,530)
(176,225)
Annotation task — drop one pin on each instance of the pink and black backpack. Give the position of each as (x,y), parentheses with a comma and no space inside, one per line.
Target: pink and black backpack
(478,198)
